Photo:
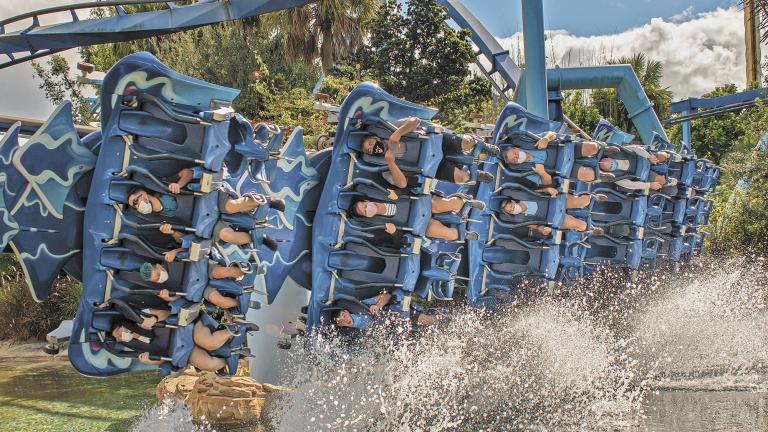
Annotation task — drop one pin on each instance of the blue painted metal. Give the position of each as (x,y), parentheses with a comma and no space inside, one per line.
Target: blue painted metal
(500,60)
(692,104)
(36,41)
(609,133)
(341,253)
(154,123)
(620,77)
(535,58)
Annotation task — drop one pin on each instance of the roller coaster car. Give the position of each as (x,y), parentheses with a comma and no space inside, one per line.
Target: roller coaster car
(518,128)
(418,153)
(438,274)
(155,123)
(621,207)
(639,167)
(550,210)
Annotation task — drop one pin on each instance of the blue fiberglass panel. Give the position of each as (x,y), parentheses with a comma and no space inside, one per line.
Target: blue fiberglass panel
(136,77)
(366,101)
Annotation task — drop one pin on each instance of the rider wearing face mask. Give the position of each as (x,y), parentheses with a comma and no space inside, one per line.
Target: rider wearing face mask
(529,209)
(144,203)
(155,273)
(367,209)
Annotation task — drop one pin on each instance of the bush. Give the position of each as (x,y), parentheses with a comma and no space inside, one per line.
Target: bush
(21,318)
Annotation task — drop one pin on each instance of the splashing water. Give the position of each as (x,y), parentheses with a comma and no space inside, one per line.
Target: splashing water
(709,331)
(585,360)
(167,416)
(545,365)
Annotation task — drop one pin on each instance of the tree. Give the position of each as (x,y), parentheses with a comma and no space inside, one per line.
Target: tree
(714,137)
(415,55)
(58,86)
(327,29)
(576,106)
(650,73)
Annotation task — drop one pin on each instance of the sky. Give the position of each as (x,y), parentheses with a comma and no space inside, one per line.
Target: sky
(700,42)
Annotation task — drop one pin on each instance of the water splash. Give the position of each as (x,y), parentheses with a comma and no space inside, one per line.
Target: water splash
(585,360)
(546,365)
(167,416)
(708,331)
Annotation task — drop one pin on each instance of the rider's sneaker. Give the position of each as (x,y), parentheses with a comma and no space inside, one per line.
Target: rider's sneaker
(491,150)
(269,242)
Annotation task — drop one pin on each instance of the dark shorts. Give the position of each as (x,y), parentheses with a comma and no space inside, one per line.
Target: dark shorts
(578,151)
(143,301)
(445,171)
(452,144)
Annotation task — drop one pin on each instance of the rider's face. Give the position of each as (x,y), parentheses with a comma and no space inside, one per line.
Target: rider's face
(344,319)
(364,208)
(137,198)
(368,144)
(512,155)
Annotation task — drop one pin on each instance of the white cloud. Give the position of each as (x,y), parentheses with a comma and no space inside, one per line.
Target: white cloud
(698,54)
(21,96)
(683,16)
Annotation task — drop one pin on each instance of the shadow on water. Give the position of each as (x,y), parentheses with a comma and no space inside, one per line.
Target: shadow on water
(54,397)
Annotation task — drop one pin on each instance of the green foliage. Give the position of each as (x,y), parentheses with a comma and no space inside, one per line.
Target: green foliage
(21,318)
(414,54)
(575,107)
(326,29)
(58,85)
(739,221)
(713,137)
(650,73)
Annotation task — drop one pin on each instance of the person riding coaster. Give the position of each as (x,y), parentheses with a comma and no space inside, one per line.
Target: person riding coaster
(166,204)
(537,157)
(453,145)
(154,342)
(362,320)
(222,232)
(513,207)
(158,274)
(368,208)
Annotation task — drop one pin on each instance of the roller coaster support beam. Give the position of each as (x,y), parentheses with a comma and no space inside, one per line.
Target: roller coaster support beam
(36,40)
(535,58)
(498,57)
(620,77)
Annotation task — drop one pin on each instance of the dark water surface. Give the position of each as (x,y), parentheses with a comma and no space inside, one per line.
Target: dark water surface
(689,411)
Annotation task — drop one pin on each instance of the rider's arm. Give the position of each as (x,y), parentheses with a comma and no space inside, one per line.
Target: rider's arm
(185,176)
(408,125)
(546,179)
(398,178)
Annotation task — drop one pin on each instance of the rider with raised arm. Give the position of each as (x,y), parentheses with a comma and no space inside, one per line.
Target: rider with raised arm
(453,144)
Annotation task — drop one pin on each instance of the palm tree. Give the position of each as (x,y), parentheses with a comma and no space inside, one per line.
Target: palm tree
(326,29)
(761,7)
(650,73)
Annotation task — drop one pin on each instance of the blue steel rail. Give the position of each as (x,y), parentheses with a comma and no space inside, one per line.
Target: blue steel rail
(38,40)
